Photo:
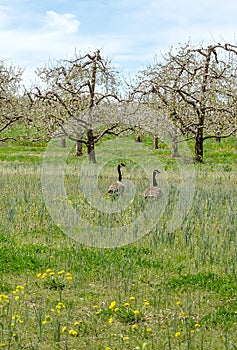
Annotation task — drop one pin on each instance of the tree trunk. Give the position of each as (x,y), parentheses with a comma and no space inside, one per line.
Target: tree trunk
(199,145)
(63,142)
(79,152)
(138,138)
(91,146)
(156,144)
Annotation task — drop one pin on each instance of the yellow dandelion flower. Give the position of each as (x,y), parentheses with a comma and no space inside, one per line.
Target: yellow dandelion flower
(134,326)
(48,318)
(48,270)
(44,322)
(77,323)
(96,307)
(61,272)
(50,257)
(126,338)
(39,275)
(111,320)
(178,302)
(177,334)
(146,302)
(3,345)
(108,348)
(132,298)
(44,275)
(197,325)
(136,312)
(60,305)
(126,304)
(20,289)
(64,329)
(113,335)
(52,274)
(112,305)
(17,297)
(4,298)
(73,333)
(192,331)
(182,313)
(97,312)
(149,330)
(116,309)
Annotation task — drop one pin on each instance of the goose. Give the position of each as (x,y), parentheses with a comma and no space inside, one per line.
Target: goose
(155,191)
(117,187)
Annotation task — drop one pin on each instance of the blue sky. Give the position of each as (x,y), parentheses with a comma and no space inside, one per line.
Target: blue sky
(130,32)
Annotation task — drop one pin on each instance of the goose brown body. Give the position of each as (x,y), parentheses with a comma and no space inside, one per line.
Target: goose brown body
(117,187)
(154,191)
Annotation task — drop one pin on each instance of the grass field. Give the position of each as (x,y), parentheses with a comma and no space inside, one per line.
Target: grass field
(166,290)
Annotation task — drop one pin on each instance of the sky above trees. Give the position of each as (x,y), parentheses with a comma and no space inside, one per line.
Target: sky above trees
(130,32)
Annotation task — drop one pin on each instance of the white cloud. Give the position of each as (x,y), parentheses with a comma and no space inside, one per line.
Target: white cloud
(66,23)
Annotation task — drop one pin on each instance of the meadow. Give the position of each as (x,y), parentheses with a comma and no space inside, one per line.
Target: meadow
(167,290)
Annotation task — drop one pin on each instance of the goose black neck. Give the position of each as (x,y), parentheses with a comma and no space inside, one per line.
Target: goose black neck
(119,172)
(154,179)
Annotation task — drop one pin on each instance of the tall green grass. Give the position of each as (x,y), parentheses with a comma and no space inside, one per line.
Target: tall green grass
(173,290)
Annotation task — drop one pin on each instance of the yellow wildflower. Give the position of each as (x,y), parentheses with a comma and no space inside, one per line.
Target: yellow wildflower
(136,312)
(60,305)
(73,333)
(20,289)
(132,298)
(126,304)
(126,338)
(177,334)
(197,325)
(4,298)
(61,272)
(178,303)
(112,305)
(149,330)
(111,320)
(134,326)
(69,276)
(64,329)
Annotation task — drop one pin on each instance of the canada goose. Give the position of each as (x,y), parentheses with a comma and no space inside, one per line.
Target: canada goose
(117,187)
(155,191)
